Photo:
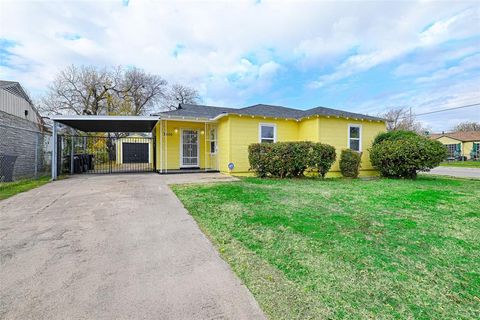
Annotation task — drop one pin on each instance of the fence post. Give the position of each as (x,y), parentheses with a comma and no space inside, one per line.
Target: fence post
(71,155)
(54,151)
(36,156)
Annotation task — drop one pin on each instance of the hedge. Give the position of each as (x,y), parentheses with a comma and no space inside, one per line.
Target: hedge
(321,158)
(350,163)
(290,159)
(403,157)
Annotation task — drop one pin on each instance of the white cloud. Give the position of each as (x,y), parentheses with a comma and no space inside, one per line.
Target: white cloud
(459,26)
(466,65)
(218,39)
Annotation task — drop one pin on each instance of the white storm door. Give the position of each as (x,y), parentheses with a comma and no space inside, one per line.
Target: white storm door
(189,153)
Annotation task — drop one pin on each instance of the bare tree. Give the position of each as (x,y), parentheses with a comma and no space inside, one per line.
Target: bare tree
(180,94)
(142,90)
(79,90)
(467,126)
(402,119)
(88,90)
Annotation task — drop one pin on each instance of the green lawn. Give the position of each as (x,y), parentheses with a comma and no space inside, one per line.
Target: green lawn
(348,249)
(8,189)
(465,164)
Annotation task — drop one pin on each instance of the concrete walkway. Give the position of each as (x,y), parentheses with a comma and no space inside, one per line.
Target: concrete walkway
(456,172)
(112,247)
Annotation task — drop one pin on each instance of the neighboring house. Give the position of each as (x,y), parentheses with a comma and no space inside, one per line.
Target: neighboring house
(460,144)
(195,136)
(14,101)
(22,133)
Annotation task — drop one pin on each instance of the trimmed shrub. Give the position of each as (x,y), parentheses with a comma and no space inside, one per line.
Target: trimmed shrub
(394,136)
(350,163)
(321,158)
(403,157)
(290,159)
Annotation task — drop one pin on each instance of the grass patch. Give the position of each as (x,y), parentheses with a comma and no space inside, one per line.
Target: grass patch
(8,189)
(382,249)
(461,164)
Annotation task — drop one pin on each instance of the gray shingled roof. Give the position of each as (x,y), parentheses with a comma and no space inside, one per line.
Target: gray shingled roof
(200,111)
(196,111)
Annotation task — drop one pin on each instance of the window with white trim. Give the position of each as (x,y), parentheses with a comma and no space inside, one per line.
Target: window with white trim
(213,141)
(355,137)
(268,132)
(453,149)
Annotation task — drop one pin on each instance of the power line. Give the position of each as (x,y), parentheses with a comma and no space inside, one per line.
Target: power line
(448,109)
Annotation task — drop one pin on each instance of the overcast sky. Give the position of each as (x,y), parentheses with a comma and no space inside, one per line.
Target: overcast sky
(357,56)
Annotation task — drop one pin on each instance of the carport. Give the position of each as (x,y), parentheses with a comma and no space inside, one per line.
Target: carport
(130,149)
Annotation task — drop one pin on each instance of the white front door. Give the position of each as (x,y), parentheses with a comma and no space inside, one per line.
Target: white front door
(189,153)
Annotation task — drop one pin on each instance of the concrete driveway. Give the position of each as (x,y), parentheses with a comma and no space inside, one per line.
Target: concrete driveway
(456,172)
(112,247)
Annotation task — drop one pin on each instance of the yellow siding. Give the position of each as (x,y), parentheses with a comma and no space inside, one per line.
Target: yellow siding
(308,129)
(245,131)
(447,140)
(467,148)
(170,144)
(334,131)
(236,133)
(158,153)
(223,131)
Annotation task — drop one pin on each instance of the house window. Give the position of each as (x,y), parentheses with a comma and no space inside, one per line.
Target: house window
(213,141)
(268,132)
(453,150)
(476,150)
(355,137)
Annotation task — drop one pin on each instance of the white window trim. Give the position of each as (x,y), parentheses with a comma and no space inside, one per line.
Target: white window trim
(215,140)
(260,125)
(359,126)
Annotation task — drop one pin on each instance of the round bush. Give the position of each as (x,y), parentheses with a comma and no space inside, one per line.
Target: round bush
(321,158)
(403,157)
(394,135)
(350,163)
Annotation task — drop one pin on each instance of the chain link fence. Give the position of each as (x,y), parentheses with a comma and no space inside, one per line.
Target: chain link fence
(24,153)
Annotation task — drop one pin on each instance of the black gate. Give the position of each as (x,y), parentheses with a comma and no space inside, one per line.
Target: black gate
(106,154)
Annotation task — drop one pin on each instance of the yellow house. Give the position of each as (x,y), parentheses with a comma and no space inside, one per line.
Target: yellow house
(460,144)
(214,138)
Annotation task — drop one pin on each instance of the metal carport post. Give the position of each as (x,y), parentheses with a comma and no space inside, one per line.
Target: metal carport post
(54,151)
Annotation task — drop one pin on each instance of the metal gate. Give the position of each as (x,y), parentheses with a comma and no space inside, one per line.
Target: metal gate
(105,154)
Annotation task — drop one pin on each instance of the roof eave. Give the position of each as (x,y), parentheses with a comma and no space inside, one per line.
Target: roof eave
(102,118)
(370,119)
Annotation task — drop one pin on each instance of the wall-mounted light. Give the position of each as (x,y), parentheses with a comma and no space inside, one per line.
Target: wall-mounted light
(202,132)
(175,130)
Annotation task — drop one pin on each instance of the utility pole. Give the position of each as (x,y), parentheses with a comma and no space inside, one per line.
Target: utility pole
(410,122)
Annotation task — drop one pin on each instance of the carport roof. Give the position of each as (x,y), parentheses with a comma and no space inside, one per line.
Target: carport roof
(109,123)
